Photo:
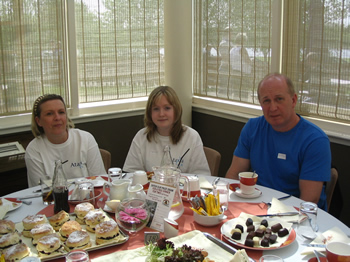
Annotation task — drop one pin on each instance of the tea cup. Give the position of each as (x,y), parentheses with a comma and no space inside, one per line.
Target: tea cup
(338,251)
(247,181)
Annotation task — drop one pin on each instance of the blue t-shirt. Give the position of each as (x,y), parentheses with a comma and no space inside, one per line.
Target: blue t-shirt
(282,158)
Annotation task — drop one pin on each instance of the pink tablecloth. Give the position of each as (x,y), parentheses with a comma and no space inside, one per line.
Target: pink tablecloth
(186,224)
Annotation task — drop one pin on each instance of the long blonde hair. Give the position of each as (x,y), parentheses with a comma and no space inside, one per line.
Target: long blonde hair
(177,129)
(36,112)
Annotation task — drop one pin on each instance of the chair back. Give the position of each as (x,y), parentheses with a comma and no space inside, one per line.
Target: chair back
(214,159)
(331,185)
(106,158)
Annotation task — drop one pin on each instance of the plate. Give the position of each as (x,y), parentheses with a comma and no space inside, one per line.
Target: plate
(97,181)
(235,188)
(283,242)
(33,251)
(108,209)
(14,204)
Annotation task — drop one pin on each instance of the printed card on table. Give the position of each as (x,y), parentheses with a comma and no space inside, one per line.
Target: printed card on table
(159,199)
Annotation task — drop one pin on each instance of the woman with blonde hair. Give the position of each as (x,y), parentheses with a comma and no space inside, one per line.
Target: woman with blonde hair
(163,126)
(57,139)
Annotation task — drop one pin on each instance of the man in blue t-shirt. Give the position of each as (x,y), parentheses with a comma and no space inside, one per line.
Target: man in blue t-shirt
(289,153)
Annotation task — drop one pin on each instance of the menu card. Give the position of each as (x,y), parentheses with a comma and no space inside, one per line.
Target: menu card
(159,199)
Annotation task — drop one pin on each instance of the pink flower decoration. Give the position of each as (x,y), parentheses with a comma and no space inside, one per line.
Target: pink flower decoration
(133,215)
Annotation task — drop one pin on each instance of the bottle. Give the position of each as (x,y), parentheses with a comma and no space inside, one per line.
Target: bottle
(60,188)
(167,160)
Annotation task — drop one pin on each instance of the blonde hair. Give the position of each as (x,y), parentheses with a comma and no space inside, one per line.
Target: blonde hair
(177,129)
(36,112)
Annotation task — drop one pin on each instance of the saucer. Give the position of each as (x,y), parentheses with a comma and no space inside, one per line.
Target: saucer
(235,188)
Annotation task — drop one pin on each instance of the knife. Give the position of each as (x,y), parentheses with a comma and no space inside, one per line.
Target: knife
(222,244)
(279,214)
(30,196)
(315,245)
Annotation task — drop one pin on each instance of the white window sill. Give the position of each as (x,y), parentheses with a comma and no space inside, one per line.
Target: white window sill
(337,132)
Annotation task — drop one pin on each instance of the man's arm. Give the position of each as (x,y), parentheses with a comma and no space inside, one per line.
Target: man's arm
(310,195)
(238,165)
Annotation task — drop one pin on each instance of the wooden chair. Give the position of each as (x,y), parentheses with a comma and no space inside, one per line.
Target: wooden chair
(214,159)
(331,185)
(106,158)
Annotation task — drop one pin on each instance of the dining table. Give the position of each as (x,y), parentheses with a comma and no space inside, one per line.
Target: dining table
(237,204)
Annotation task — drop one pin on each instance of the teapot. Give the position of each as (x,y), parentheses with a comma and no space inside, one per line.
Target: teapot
(170,176)
(136,191)
(118,189)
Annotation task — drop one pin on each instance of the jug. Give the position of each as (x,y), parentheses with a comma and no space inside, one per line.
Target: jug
(136,191)
(171,176)
(118,189)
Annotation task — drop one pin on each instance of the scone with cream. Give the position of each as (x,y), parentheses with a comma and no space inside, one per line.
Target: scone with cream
(49,245)
(107,231)
(57,220)
(31,221)
(68,228)
(16,252)
(78,240)
(81,210)
(93,218)
(41,230)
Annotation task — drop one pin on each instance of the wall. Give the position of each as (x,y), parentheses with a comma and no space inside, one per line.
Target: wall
(222,134)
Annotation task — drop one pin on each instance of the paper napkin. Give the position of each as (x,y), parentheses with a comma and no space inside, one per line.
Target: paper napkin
(278,207)
(204,183)
(3,209)
(333,234)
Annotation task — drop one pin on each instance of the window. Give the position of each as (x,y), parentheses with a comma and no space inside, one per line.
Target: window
(115,53)
(239,42)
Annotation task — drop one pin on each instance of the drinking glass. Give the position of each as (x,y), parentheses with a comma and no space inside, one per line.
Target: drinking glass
(132,215)
(77,256)
(307,222)
(46,193)
(223,189)
(114,172)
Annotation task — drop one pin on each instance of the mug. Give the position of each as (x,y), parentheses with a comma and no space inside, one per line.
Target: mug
(247,182)
(139,177)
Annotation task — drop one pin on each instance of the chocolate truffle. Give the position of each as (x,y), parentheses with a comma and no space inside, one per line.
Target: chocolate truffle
(259,233)
(250,235)
(249,243)
(250,228)
(283,232)
(236,236)
(268,231)
(265,242)
(276,227)
(249,222)
(264,223)
(240,227)
(273,239)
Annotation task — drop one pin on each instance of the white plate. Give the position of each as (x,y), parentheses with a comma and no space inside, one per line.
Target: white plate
(108,209)
(97,181)
(256,193)
(13,203)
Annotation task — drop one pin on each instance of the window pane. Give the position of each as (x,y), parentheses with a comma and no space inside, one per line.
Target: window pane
(31,58)
(234,50)
(119,47)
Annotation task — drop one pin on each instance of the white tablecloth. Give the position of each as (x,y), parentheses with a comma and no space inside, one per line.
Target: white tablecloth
(290,253)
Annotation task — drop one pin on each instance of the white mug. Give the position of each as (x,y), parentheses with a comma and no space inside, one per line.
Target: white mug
(139,177)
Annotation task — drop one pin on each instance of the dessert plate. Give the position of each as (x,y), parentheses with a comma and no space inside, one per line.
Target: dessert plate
(280,243)
(98,181)
(14,203)
(235,188)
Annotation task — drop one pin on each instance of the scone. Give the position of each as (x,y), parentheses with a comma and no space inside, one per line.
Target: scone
(78,240)
(41,230)
(49,245)
(9,240)
(57,220)
(81,210)
(93,218)
(106,231)
(16,252)
(67,228)
(7,226)
(31,221)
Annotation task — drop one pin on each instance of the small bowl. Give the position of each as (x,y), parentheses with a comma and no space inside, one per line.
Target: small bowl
(208,221)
